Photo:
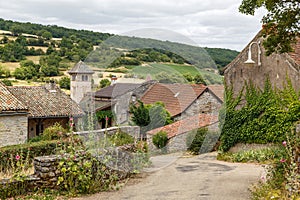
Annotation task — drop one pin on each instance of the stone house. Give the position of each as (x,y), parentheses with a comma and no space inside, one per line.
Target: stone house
(117,98)
(184,100)
(46,106)
(252,65)
(179,131)
(13,118)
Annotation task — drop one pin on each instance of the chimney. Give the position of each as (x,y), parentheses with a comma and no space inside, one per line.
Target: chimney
(113,79)
(51,87)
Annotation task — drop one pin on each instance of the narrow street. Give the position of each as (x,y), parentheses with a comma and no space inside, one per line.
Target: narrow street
(197,177)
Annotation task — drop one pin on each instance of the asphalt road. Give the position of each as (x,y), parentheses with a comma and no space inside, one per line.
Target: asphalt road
(198,177)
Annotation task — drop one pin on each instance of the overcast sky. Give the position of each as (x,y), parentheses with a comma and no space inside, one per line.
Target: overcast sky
(211,23)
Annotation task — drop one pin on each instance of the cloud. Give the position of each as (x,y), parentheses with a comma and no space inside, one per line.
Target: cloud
(209,23)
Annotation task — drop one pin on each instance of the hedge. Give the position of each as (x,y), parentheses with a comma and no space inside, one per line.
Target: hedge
(35,149)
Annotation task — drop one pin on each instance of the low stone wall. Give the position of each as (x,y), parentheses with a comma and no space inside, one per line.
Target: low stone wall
(45,168)
(179,142)
(134,131)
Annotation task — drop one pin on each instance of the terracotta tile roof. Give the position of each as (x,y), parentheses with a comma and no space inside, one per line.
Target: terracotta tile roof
(176,97)
(218,90)
(115,90)
(8,102)
(42,102)
(80,67)
(186,125)
(296,54)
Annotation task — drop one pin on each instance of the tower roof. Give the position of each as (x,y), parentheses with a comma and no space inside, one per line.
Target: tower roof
(81,68)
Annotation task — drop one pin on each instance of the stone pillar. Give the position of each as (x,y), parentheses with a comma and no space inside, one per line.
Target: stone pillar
(45,168)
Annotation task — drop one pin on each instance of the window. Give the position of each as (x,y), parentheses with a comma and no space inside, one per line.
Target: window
(84,78)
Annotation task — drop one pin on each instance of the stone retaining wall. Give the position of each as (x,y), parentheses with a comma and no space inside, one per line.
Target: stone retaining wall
(134,131)
(179,142)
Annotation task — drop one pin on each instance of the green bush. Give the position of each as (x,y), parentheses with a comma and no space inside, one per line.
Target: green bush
(54,132)
(160,139)
(195,139)
(35,149)
(258,155)
(121,138)
(7,82)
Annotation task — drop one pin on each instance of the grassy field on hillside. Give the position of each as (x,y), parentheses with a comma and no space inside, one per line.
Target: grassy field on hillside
(153,69)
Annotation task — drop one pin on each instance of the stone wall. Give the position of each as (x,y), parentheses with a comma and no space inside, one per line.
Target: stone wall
(13,129)
(276,67)
(134,131)
(207,103)
(179,142)
(45,169)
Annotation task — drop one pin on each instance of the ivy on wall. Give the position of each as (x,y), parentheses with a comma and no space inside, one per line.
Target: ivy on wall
(266,115)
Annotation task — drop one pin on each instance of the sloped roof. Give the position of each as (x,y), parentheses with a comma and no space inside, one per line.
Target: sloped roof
(186,125)
(176,97)
(42,102)
(115,90)
(80,68)
(218,90)
(8,102)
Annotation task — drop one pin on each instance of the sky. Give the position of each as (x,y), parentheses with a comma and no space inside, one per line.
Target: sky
(214,23)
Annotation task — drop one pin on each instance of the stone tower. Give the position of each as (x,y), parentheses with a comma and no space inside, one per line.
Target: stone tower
(81,81)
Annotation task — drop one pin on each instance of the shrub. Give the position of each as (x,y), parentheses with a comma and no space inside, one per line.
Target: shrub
(82,173)
(259,155)
(54,132)
(160,139)
(7,82)
(104,83)
(64,82)
(121,138)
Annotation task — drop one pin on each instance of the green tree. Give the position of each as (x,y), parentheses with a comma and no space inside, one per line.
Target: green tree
(65,82)
(104,83)
(159,116)
(23,73)
(198,79)
(47,35)
(281,24)
(160,139)
(7,82)
(49,70)
(188,77)
(140,114)
(16,29)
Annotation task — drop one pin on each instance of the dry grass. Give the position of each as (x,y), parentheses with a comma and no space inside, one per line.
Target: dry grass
(44,49)
(26,83)
(9,174)
(5,32)
(35,59)
(11,66)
